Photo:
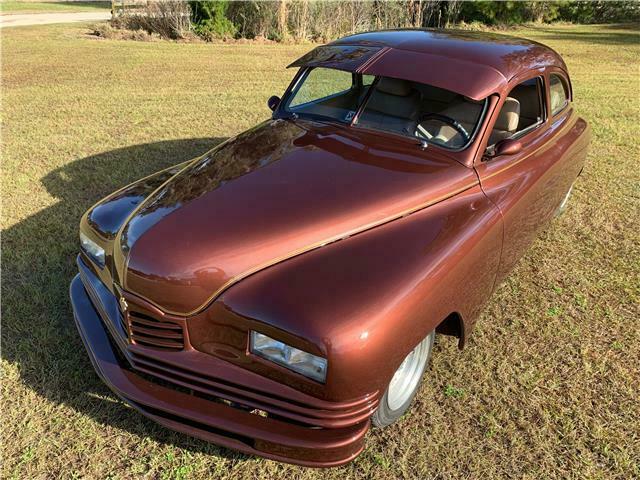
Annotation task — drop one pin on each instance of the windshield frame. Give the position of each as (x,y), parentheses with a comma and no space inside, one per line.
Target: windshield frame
(303,73)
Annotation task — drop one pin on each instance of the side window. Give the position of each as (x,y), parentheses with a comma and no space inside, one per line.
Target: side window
(367,80)
(321,83)
(522,111)
(558,93)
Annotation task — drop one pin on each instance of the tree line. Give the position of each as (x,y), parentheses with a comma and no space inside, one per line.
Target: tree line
(309,20)
(301,20)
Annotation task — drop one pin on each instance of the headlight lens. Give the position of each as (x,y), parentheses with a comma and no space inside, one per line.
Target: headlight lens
(92,249)
(292,358)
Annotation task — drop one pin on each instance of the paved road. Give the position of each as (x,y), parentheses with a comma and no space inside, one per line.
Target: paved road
(23,19)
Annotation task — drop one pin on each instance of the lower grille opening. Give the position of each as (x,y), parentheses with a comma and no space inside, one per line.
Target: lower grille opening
(124,363)
(183,373)
(212,398)
(197,425)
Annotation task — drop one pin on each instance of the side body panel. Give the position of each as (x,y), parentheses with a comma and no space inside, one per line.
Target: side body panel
(528,187)
(365,301)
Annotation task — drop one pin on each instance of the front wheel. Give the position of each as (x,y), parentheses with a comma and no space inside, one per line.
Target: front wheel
(404,384)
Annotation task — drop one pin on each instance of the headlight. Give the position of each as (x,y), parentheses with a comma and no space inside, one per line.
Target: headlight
(297,360)
(92,249)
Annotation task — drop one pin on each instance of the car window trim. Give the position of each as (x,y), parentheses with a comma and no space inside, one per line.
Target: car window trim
(299,84)
(317,100)
(283,112)
(365,101)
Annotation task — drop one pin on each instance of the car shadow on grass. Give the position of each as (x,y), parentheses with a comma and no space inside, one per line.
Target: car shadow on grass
(38,332)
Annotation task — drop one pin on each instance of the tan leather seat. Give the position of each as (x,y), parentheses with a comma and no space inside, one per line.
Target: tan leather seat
(529,98)
(393,106)
(507,122)
(436,99)
(466,113)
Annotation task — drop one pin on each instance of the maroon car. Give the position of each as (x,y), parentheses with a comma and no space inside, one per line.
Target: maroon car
(281,293)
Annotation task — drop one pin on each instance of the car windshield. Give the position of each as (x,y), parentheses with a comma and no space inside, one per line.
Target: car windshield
(407,108)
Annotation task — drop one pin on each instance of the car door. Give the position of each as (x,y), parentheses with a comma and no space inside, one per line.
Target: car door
(527,184)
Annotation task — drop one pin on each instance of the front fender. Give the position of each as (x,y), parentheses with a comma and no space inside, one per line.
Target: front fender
(103,220)
(109,214)
(365,302)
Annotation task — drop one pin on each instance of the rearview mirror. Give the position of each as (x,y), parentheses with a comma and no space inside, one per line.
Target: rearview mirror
(507,147)
(273,102)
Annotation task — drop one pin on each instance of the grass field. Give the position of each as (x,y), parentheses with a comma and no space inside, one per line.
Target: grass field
(13,6)
(547,386)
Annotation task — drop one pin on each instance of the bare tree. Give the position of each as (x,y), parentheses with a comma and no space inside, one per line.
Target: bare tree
(282,19)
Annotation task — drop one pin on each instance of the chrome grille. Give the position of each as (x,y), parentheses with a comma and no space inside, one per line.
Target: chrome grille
(147,331)
(123,323)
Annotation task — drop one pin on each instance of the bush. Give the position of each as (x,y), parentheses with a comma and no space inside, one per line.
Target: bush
(254,19)
(210,19)
(105,30)
(600,11)
(167,18)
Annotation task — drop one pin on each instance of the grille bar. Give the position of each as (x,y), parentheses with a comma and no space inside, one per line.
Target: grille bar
(209,386)
(123,323)
(153,331)
(155,342)
(153,323)
(148,331)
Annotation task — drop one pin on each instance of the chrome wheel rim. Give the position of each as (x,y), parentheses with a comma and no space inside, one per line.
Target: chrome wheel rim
(408,374)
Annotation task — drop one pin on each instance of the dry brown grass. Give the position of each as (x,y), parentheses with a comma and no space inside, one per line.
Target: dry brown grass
(547,387)
(106,30)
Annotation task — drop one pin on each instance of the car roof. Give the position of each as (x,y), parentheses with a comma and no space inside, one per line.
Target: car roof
(507,54)
(474,64)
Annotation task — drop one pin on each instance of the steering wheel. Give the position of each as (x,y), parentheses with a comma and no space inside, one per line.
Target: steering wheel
(420,130)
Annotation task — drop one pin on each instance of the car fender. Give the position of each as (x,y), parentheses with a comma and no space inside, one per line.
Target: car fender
(367,300)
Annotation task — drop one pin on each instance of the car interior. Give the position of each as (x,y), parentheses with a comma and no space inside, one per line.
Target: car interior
(410,108)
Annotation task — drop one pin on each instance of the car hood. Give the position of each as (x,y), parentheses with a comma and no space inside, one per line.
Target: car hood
(273,192)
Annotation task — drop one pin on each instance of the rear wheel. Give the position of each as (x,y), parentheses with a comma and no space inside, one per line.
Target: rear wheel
(404,384)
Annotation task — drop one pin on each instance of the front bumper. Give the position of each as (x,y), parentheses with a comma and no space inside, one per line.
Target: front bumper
(220,423)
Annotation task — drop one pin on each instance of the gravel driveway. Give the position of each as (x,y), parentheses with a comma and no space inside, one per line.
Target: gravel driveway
(21,20)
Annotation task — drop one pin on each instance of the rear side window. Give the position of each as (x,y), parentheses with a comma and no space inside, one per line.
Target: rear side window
(559,93)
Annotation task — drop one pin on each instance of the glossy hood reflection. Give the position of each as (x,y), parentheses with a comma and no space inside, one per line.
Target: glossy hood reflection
(270,193)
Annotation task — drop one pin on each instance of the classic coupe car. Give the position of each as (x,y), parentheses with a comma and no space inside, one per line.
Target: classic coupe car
(281,293)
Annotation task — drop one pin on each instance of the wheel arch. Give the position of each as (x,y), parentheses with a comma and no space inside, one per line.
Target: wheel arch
(453,325)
